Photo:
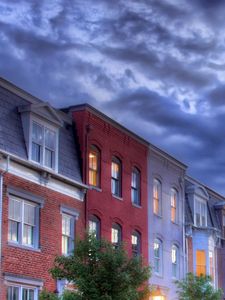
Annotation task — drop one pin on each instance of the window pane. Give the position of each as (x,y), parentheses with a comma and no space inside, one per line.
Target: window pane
(15,210)
(29,214)
(49,158)
(115,236)
(36,152)
(115,170)
(50,139)
(157,256)
(66,225)
(28,235)
(65,245)
(200,262)
(12,293)
(37,133)
(156,197)
(13,234)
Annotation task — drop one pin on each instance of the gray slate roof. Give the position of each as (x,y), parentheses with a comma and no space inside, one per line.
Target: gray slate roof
(12,136)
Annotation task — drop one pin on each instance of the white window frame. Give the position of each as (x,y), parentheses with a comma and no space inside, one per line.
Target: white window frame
(94,226)
(73,214)
(51,127)
(173,192)
(201,201)
(21,288)
(157,182)
(176,264)
(160,258)
(136,186)
(20,242)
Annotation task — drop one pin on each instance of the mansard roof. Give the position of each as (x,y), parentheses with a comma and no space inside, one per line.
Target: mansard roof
(13,103)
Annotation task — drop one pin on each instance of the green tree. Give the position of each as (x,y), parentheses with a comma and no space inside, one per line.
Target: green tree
(101,272)
(197,288)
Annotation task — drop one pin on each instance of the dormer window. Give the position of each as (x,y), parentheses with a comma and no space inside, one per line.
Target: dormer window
(43,145)
(200,212)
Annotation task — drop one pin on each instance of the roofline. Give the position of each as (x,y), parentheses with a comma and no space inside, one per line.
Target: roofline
(210,190)
(30,98)
(168,156)
(100,114)
(33,166)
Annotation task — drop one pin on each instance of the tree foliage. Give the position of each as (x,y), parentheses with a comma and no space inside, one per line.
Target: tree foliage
(101,272)
(197,288)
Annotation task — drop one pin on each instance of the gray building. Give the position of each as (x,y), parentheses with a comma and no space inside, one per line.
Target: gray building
(166,221)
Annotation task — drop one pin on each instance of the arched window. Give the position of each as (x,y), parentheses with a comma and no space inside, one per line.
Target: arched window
(116,176)
(158,256)
(94,166)
(136,186)
(157,197)
(116,235)
(94,226)
(175,261)
(173,205)
(136,243)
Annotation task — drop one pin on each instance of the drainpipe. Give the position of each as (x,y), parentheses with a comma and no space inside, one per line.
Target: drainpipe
(183,226)
(1,204)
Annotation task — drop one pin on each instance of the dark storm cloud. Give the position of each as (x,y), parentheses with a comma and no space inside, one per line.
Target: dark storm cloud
(155,65)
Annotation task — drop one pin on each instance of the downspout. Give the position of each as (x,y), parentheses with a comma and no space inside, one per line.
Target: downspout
(183,226)
(85,172)
(1,205)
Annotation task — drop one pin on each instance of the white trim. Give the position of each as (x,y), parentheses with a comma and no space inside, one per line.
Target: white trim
(69,211)
(22,280)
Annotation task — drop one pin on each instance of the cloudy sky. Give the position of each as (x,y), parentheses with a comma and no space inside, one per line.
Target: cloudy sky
(156,66)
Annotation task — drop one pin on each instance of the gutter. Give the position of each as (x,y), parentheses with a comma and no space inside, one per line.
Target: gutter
(1,205)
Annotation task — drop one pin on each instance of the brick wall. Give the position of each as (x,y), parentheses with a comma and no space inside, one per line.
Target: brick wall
(36,263)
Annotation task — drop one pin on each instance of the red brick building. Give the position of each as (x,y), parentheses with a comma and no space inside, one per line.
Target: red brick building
(41,192)
(114,164)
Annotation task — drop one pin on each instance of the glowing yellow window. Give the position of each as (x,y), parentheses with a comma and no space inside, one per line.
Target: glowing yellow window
(93,173)
(200,262)
(173,203)
(157,197)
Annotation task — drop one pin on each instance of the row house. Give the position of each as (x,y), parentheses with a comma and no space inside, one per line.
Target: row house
(63,172)
(205,219)
(114,165)
(41,192)
(166,221)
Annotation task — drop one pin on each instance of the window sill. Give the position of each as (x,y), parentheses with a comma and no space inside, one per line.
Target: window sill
(11,244)
(117,197)
(136,205)
(95,188)
(158,216)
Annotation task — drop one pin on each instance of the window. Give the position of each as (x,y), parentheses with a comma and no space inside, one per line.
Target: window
(200,262)
(43,145)
(116,177)
(94,226)
(211,265)
(67,234)
(200,212)
(94,166)
(116,235)
(23,222)
(158,257)
(173,203)
(175,261)
(22,293)
(157,192)
(135,187)
(136,243)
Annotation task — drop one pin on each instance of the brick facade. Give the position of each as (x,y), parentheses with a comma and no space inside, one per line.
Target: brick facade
(93,128)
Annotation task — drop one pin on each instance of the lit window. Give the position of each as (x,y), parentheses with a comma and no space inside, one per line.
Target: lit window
(173,203)
(136,243)
(200,212)
(157,191)
(23,227)
(22,293)
(67,234)
(116,235)
(158,257)
(135,186)
(211,265)
(43,147)
(94,226)
(116,177)
(174,258)
(200,262)
(94,166)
